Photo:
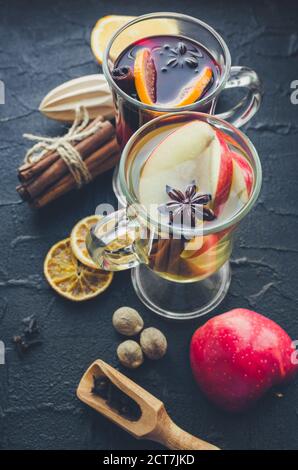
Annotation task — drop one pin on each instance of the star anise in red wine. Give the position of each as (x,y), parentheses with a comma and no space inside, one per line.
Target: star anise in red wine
(187,207)
(181,55)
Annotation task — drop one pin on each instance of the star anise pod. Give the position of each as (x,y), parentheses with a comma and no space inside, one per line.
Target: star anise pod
(181,55)
(188,206)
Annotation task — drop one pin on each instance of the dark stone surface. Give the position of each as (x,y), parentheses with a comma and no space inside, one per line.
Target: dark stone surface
(43,44)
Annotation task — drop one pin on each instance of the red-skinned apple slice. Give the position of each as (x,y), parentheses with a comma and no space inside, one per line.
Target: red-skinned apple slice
(214,172)
(207,242)
(211,260)
(243,175)
(194,151)
(173,161)
(183,143)
(225,174)
(241,187)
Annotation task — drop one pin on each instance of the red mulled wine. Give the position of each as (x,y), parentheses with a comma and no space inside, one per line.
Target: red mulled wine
(171,64)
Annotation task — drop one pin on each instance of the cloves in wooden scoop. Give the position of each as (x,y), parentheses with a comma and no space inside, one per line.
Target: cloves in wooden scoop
(124,78)
(116,398)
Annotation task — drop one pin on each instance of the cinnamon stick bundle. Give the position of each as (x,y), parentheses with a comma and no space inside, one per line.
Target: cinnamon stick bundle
(45,180)
(30,170)
(99,162)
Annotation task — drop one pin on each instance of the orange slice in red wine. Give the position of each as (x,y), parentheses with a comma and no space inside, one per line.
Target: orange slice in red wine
(193,90)
(145,76)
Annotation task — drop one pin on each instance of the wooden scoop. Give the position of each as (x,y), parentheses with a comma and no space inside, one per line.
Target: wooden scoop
(154,423)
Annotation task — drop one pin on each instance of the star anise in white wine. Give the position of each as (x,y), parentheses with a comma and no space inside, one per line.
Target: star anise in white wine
(188,206)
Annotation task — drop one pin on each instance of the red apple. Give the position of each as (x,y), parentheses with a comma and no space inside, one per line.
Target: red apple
(239,355)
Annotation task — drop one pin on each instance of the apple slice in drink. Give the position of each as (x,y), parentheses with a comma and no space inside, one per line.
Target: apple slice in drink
(173,161)
(184,143)
(168,258)
(214,172)
(242,184)
(191,152)
(205,243)
(243,176)
(211,260)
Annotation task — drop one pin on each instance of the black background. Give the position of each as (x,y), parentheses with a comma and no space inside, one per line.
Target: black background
(43,44)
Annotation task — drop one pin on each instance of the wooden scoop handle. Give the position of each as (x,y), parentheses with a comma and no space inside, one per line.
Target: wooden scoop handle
(173,437)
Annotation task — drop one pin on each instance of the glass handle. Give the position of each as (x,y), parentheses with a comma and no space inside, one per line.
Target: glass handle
(242,112)
(111,242)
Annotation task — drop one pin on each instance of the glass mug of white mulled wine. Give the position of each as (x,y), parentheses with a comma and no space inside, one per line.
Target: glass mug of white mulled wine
(188,179)
(169,62)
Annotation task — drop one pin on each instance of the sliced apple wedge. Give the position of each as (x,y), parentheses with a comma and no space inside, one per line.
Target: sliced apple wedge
(207,243)
(183,143)
(214,172)
(211,260)
(243,177)
(242,184)
(194,151)
(173,161)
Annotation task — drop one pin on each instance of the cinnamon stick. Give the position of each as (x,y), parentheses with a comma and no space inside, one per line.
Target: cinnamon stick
(100,161)
(85,147)
(30,170)
(59,168)
(125,79)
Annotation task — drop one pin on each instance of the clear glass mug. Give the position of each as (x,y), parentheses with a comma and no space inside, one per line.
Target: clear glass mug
(168,275)
(132,114)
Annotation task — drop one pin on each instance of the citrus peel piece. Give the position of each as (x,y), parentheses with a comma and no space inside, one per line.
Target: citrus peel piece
(145,76)
(78,240)
(193,90)
(107,26)
(103,31)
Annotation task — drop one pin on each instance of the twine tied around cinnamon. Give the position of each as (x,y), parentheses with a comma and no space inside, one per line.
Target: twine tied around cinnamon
(63,146)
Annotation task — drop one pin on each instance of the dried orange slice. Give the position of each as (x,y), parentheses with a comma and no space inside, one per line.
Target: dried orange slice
(145,76)
(193,90)
(70,278)
(108,25)
(78,240)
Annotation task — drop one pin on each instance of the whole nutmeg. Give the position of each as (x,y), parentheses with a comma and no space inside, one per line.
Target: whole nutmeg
(127,321)
(130,354)
(154,343)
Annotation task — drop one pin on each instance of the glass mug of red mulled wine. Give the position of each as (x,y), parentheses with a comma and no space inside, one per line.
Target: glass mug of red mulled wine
(187,179)
(165,62)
